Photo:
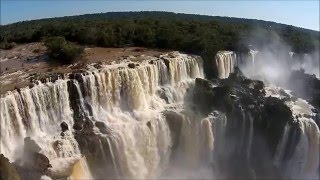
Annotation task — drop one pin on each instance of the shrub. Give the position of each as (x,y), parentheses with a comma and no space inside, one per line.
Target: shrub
(7,45)
(63,51)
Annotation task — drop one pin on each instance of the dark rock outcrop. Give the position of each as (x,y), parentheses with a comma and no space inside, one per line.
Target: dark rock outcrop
(33,160)
(40,162)
(102,127)
(203,95)
(306,86)
(248,111)
(131,65)
(34,164)
(7,170)
(95,148)
(30,146)
(64,126)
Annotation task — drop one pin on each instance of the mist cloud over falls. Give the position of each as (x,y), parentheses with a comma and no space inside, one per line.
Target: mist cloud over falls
(272,60)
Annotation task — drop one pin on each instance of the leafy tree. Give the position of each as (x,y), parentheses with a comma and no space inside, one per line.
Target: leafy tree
(7,45)
(62,50)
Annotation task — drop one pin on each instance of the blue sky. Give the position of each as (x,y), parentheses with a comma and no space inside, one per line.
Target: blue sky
(298,13)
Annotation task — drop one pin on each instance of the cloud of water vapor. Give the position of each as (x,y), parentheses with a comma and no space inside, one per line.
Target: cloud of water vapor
(272,60)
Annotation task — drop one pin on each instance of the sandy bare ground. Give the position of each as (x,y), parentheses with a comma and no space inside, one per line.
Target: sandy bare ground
(24,62)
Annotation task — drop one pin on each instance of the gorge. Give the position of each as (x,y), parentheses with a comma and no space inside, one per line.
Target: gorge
(159,119)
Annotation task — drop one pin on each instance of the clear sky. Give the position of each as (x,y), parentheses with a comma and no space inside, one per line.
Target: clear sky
(298,13)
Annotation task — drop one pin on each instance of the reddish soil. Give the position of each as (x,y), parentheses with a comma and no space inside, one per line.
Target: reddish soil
(19,64)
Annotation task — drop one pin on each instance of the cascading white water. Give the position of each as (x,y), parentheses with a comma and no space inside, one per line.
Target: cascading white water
(193,156)
(129,104)
(36,112)
(225,61)
(305,160)
(253,55)
(248,63)
(291,54)
(128,100)
(281,147)
(196,139)
(80,170)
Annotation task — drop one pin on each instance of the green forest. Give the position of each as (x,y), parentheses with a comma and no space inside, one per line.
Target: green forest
(197,34)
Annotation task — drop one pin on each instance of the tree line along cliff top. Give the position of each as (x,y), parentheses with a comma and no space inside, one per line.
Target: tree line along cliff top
(186,32)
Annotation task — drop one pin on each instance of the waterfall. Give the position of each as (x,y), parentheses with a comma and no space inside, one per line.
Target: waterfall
(253,56)
(291,54)
(35,112)
(281,147)
(196,140)
(128,100)
(126,106)
(80,170)
(193,157)
(305,160)
(141,139)
(250,137)
(225,61)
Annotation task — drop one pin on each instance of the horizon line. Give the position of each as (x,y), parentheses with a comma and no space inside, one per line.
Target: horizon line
(44,18)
